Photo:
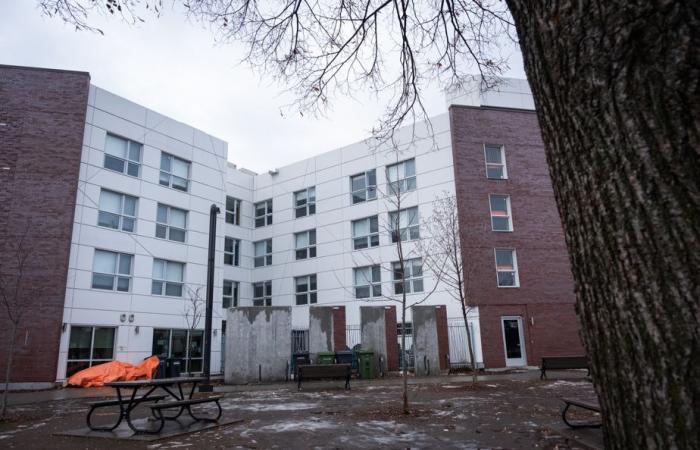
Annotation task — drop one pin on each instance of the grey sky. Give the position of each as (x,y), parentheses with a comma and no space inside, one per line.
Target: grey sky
(176,68)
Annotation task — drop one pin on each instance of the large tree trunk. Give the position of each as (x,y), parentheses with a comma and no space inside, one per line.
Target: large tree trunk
(616,85)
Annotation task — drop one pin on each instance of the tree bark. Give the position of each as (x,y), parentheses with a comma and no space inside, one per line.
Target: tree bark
(470,345)
(617,90)
(8,369)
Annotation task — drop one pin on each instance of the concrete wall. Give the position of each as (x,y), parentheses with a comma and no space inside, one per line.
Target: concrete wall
(326,329)
(258,344)
(378,330)
(430,344)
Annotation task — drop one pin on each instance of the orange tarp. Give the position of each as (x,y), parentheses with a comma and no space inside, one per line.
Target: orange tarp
(114,371)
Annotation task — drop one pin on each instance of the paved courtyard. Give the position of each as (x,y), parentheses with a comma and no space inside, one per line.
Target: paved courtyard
(503,411)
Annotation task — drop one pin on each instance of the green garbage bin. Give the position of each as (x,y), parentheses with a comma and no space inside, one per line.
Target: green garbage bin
(366,362)
(326,357)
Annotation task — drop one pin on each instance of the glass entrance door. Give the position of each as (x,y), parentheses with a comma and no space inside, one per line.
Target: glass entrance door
(514,341)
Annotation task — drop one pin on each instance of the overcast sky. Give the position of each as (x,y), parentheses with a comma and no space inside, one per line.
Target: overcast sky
(176,68)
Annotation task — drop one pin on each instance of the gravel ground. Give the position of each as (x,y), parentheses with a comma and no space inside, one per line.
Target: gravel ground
(497,413)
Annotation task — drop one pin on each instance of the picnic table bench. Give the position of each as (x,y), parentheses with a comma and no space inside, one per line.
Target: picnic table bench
(128,402)
(590,405)
(321,371)
(563,363)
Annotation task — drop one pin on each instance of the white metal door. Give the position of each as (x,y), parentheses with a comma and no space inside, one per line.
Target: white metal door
(513,341)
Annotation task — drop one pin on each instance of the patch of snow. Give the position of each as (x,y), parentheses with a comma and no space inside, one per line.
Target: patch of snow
(311,424)
(562,383)
(290,406)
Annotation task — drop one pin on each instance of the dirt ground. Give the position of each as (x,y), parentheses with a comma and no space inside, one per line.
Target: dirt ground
(500,413)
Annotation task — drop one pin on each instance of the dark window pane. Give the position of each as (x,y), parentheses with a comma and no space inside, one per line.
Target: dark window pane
(506,278)
(113,163)
(161,231)
(374,240)
(179,344)
(228,259)
(164,179)
(177,234)
(196,343)
(360,243)
(104,343)
(312,208)
(123,284)
(398,288)
(195,365)
(301,299)
(173,289)
(301,254)
(418,285)
(258,290)
(301,212)
(358,197)
(259,222)
(494,171)
(179,183)
(312,252)
(133,169)
(229,217)
(100,281)
(226,303)
(500,223)
(107,219)
(313,298)
(165,162)
(362,292)
(377,290)
(127,224)
(157,287)
(74,367)
(80,341)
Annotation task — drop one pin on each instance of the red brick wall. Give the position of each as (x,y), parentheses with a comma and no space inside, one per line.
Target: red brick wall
(392,343)
(546,284)
(43,112)
(339,328)
(442,336)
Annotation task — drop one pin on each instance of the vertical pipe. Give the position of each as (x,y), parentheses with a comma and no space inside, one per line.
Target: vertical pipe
(206,386)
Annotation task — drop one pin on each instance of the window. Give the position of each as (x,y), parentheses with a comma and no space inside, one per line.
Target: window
(506,267)
(500,213)
(111,271)
(122,155)
(171,223)
(263,253)
(183,345)
(231,290)
(363,186)
(401,177)
(117,211)
(174,172)
(262,293)
(89,346)
(305,289)
(233,210)
(305,202)
(168,278)
(409,329)
(305,244)
(495,162)
(404,223)
(263,213)
(232,251)
(411,279)
(368,281)
(365,233)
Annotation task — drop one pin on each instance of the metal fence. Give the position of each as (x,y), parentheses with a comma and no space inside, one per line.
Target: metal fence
(300,341)
(353,336)
(459,347)
(408,353)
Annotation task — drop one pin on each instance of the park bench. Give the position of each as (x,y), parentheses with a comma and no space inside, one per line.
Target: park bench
(115,402)
(324,371)
(563,363)
(157,409)
(583,404)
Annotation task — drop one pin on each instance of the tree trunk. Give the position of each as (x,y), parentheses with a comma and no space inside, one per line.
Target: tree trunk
(404,365)
(617,90)
(470,345)
(8,370)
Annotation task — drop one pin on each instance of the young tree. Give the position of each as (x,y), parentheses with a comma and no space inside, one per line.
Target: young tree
(14,292)
(615,85)
(443,255)
(193,309)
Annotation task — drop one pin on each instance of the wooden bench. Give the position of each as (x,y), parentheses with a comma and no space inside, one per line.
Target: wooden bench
(583,404)
(158,408)
(563,363)
(321,371)
(116,402)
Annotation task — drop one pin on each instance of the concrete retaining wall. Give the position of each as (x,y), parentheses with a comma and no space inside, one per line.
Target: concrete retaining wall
(326,329)
(378,330)
(430,342)
(258,344)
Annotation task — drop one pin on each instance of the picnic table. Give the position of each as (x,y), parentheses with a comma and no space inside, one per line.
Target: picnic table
(127,400)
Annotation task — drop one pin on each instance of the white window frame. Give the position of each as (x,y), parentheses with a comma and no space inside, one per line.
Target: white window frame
(234,253)
(411,232)
(123,217)
(167,226)
(166,176)
(233,298)
(374,285)
(369,192)
(164,283)
(266,299)
(408,282)
(263,259)
(310,295)
(117,275)
(305,206)
(266,216)
(370,239)
(309,251)
(91,360)
(515,270)
(128,162)
(502,164)
(509,213)
(233,214)
(403,182)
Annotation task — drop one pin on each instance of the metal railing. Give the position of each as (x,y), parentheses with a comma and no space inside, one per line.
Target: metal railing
(300,341)
(353,336)
(459,347)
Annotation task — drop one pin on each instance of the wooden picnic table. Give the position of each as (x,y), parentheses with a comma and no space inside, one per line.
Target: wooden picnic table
(127,400)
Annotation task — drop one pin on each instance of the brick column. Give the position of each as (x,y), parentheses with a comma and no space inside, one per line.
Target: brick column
(392,344)
(339,343)
(442,336)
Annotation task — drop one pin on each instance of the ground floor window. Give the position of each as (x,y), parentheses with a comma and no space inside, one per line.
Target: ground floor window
(183,345)
(89,346)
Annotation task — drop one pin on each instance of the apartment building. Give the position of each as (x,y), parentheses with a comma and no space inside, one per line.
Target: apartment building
(115,199)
